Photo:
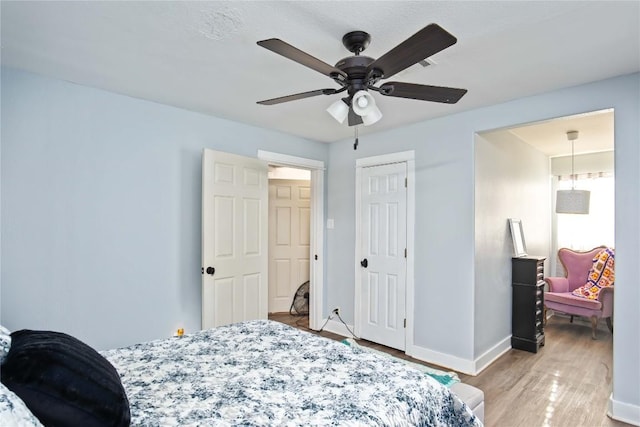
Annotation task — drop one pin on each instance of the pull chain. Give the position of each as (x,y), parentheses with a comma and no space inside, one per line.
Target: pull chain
(355,144)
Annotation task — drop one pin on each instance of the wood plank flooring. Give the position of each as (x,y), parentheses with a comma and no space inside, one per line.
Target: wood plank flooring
(566,384)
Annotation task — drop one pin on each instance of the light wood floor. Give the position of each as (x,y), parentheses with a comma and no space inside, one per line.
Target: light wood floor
(566,384)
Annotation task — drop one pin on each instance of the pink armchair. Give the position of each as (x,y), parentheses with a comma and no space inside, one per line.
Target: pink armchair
(560,298)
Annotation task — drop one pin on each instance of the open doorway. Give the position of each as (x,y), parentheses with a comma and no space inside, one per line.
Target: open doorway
(591,168)
(314,170)
(289,241)
(235,236)
(516,177)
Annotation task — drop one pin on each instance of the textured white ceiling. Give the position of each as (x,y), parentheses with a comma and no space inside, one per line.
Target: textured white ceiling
(203,56)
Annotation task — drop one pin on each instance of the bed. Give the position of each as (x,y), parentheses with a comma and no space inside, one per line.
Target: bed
(263,373)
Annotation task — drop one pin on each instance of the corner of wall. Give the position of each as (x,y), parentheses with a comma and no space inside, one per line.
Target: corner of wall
(444,360)
(624,412)
(491,355)
(465,366)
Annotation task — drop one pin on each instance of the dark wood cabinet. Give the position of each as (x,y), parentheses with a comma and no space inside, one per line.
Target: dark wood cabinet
(527,312)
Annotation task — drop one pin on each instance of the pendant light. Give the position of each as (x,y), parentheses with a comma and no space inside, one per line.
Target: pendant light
(572,201)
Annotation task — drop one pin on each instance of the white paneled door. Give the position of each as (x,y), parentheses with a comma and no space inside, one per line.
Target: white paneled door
(383,216)
(234,238)
(289,240)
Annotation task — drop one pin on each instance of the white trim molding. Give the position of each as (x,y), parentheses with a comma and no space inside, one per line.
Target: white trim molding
(317,264)
(316,231)
(385,159)
(411,234)
(491,355)
(459,364)
(338,328)
(444,360)
(624,412)
(288,160)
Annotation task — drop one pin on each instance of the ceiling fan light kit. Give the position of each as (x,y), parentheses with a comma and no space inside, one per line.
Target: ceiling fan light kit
(358,74)
(572,201)
(339,110)
(373,116)
(364,105)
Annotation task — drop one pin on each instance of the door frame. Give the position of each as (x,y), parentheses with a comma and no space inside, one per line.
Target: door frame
(407,157)
(316,227)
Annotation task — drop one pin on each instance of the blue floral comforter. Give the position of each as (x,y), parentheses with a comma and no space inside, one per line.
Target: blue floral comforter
(262,372)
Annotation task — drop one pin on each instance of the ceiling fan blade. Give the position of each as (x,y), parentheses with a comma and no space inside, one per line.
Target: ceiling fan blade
(295,54)
(353,118)
(426,42)
(447,95)
(297,96)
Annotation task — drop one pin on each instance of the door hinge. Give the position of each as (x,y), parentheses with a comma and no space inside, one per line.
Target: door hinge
(405,182)
(405,252)
(405,323)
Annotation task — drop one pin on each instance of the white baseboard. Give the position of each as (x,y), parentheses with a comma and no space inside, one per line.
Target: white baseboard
(458,364)
(444,360)
(339,328)
(624,412)
(429,356)
(490,356)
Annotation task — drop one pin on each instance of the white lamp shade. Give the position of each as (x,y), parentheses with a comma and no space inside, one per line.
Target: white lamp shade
(363,103)
(372,116)
(338,110)
(572,201)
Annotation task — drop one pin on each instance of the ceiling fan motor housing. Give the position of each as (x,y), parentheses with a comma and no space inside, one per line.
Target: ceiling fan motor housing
(356,69)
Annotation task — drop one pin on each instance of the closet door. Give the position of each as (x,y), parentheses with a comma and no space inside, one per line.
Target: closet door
(383,243)
(289,240)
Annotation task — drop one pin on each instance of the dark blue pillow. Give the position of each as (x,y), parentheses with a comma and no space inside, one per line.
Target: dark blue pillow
(63,381)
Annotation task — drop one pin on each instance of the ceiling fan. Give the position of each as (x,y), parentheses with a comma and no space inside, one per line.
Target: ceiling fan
(357,74)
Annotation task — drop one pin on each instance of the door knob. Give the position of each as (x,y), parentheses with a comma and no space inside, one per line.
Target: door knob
(364,263)
(211,270)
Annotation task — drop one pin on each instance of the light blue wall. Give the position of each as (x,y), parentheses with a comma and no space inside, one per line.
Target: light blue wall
(101,211)
(444,228)
(511,181)
(444,271)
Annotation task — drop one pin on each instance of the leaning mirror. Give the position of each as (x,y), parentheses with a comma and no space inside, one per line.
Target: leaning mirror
(517,235)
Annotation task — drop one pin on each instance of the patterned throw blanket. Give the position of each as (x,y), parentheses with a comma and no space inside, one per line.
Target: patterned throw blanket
(601,275)
(265,373)
(445,378)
